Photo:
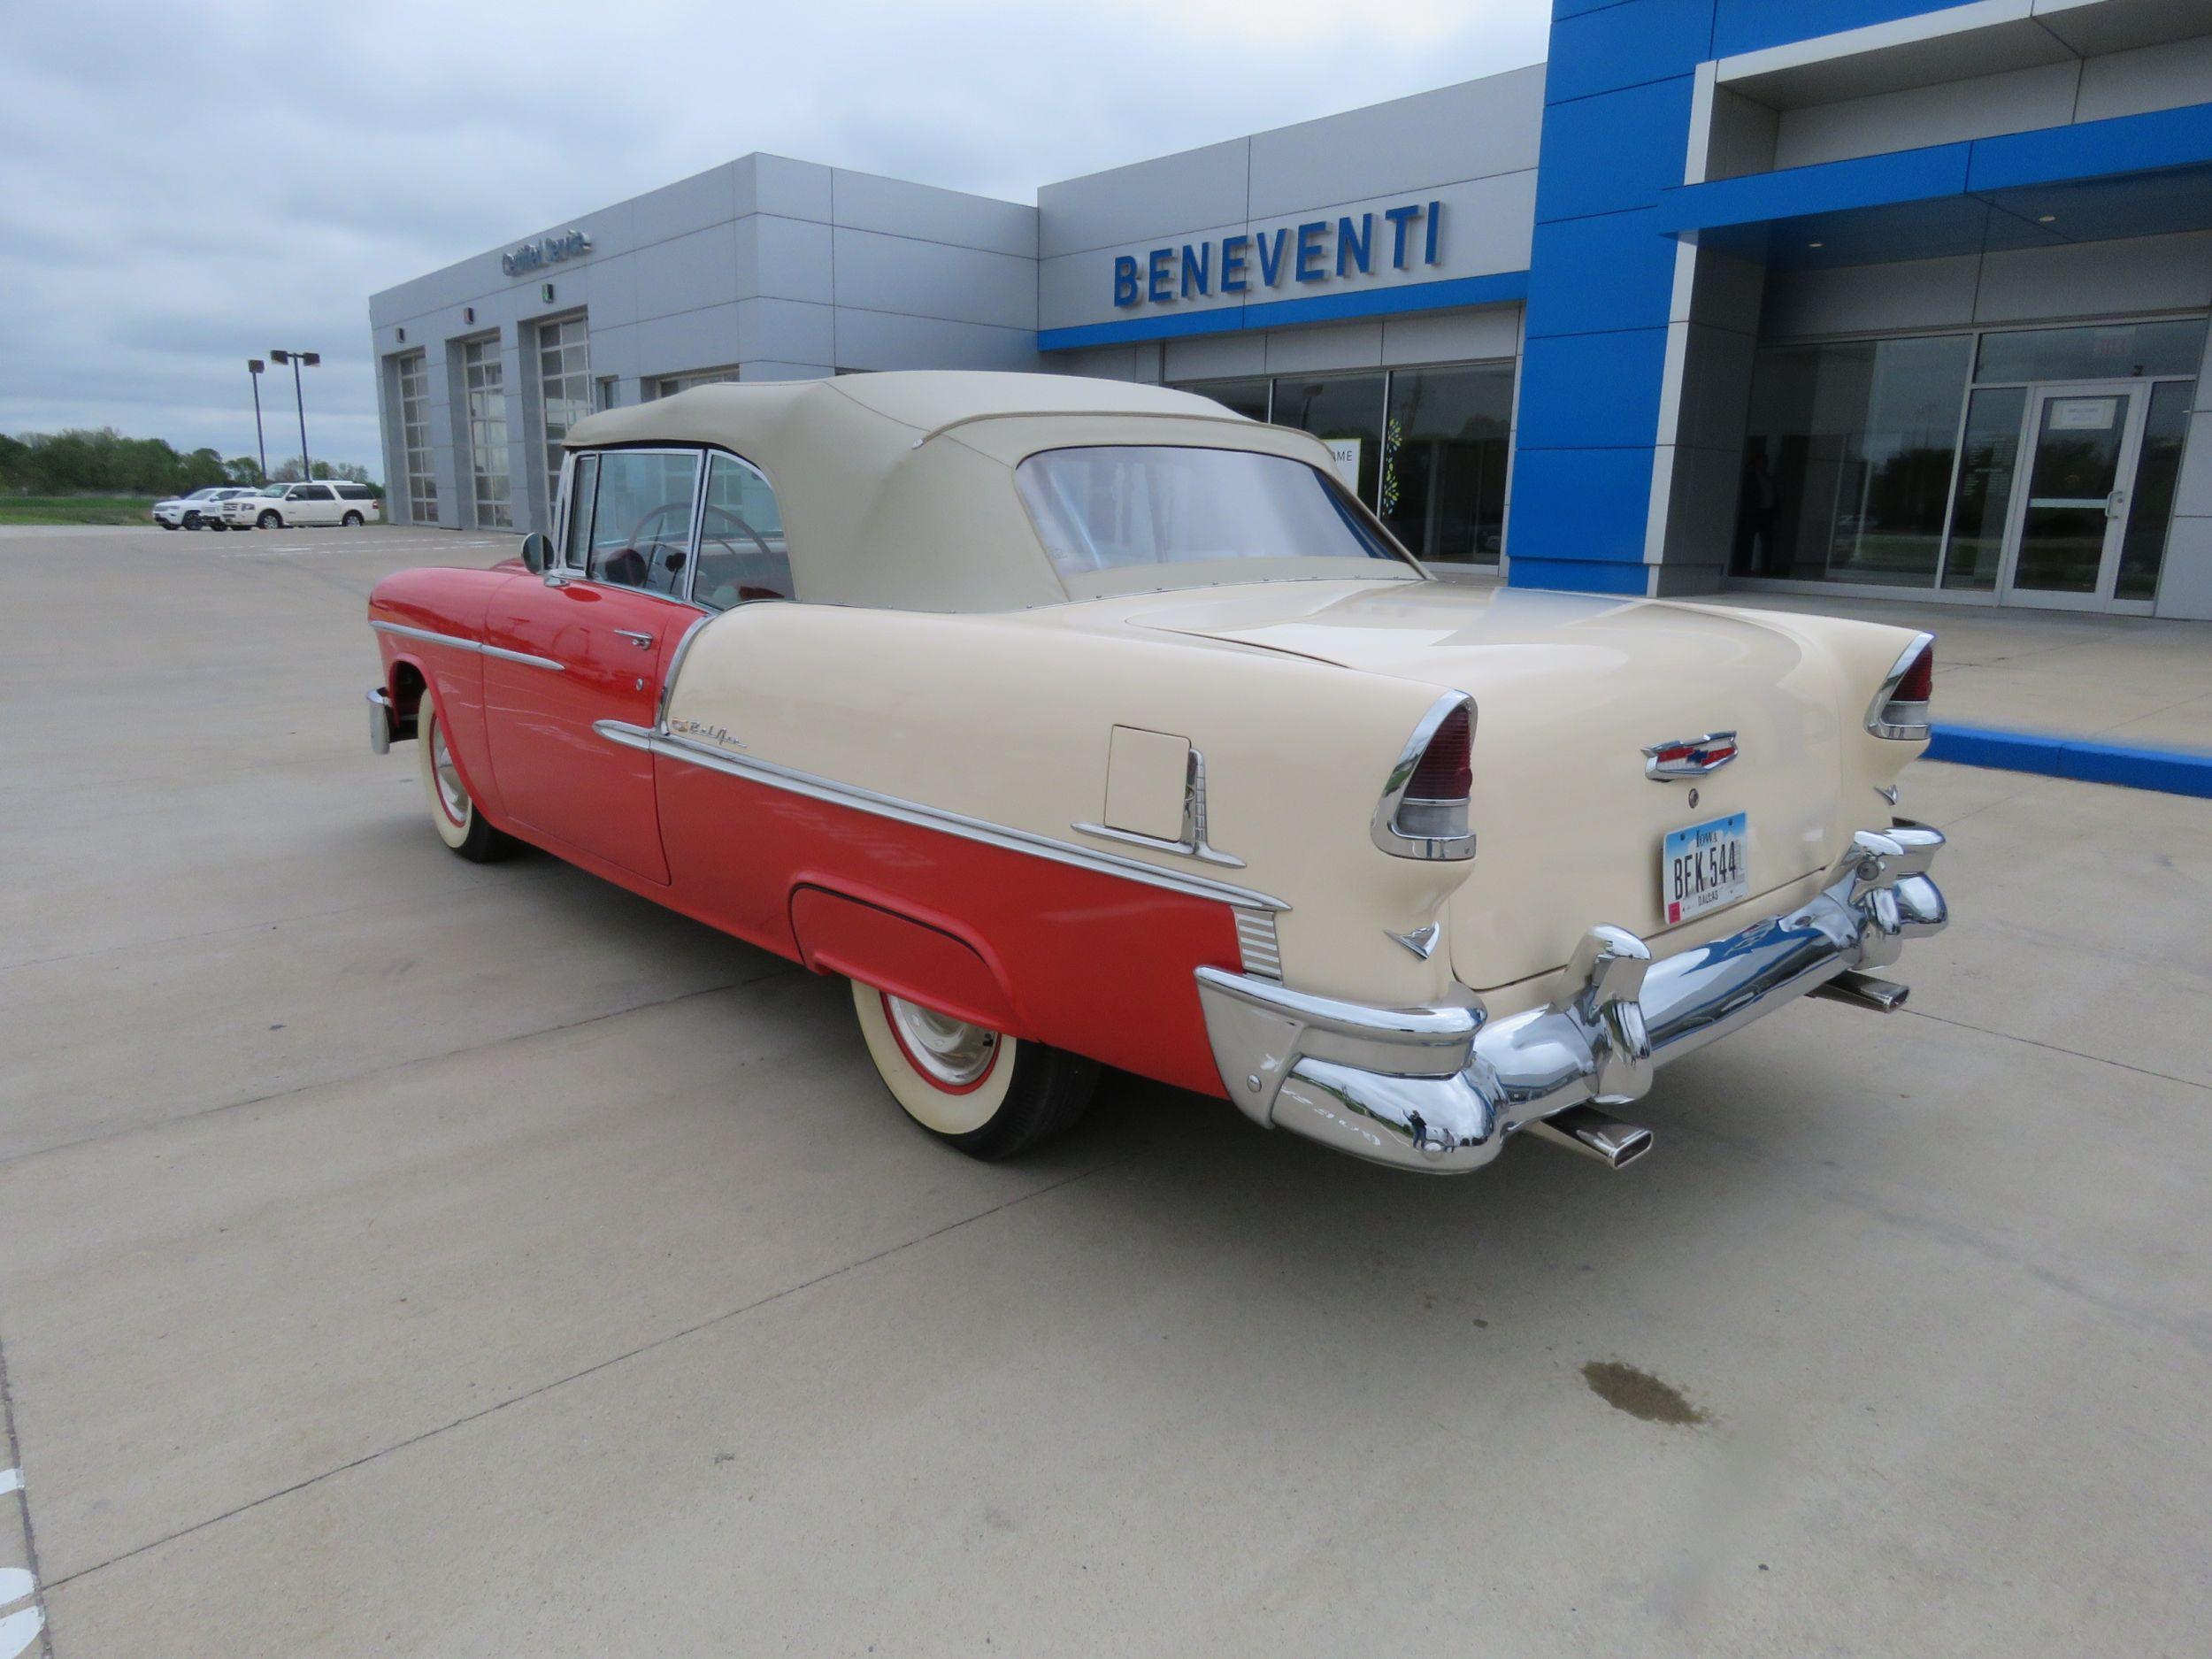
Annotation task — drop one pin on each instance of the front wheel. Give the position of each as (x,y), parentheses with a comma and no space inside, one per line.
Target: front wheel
(990,1095)
(459,825)
(269,521)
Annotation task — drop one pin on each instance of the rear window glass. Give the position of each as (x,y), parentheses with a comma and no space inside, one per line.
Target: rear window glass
(1112,507)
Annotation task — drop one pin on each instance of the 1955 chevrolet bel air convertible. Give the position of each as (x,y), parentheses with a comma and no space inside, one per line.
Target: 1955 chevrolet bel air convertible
(1079,722)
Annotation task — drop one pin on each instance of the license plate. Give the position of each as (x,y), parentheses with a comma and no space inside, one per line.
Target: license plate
(1704,867)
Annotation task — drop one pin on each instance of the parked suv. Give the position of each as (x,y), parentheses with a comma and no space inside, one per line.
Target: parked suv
(280,506)
(203,509)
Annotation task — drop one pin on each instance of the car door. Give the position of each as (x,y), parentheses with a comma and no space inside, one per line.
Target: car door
(588,642)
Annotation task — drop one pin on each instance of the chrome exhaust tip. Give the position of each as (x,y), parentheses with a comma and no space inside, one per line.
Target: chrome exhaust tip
(1864,990)
(1591,1132)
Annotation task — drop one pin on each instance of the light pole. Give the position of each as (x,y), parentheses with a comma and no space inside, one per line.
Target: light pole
(297,360)
(254,366)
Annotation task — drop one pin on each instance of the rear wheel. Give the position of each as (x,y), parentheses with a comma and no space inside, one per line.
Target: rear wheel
(988,1095)
(454,816)
(270,521)
(352,521)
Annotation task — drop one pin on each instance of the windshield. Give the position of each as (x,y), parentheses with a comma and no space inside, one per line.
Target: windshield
(1119,506)
(203,495)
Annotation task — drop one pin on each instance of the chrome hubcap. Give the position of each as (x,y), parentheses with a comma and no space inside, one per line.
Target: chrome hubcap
(951,1052)
(455,798)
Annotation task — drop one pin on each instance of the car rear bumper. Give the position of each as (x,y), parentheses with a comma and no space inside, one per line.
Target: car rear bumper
(1442,1089)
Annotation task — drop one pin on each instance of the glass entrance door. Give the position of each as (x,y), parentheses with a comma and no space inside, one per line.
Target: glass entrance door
(2069,515)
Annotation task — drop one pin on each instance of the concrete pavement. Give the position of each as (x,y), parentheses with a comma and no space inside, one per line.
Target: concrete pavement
(403,1255)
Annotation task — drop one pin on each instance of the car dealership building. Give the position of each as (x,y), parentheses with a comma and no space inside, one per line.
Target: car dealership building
(1807,295)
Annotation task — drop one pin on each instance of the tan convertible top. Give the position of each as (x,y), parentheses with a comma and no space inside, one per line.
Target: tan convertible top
(897,490)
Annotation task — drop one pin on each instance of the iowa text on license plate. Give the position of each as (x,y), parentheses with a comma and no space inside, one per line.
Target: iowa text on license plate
(1704,867)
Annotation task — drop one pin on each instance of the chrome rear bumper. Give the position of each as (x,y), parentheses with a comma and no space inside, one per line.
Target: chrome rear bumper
(1440,1089)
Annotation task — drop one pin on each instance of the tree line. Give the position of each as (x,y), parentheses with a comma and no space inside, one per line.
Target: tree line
(106,463)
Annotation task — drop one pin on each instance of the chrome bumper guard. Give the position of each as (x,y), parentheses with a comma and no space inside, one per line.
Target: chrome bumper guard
(1440,1089)
(386,727)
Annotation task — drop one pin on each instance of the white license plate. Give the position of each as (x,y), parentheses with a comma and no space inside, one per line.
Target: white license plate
(1704,867)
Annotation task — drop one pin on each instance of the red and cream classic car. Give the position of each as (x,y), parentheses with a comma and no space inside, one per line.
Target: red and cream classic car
(1084,723)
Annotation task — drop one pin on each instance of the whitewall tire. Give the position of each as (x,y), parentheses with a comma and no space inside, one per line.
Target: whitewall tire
(452,814)
(987,1094)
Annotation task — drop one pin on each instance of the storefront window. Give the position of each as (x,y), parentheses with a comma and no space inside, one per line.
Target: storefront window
(564,388)
(1445,445)
(1984,488)
(1848,460)
(1345,412)
(1246,397)
(2103,351)
(2151,511)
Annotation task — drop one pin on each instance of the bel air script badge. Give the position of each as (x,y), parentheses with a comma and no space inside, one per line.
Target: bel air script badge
(1689,757)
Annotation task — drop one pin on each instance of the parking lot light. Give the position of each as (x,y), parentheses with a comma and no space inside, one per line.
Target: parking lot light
(299,359)
(254,366)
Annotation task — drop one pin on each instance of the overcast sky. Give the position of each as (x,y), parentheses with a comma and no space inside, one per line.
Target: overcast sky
(182,187)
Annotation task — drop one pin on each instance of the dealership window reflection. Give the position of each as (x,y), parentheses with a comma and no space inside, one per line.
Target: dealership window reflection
(1444,444)
(1847,462)
(1427,448)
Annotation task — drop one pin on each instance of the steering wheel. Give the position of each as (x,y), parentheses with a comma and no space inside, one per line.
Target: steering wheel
(706,533)
(627,558)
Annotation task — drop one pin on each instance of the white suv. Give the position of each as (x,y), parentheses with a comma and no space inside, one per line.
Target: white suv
(202,508)
(280,506)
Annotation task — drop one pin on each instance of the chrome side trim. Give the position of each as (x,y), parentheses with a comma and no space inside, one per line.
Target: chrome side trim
(1384,826)
(675,663)
(675,747)
(1908,730)
(1192,841)
(478,646)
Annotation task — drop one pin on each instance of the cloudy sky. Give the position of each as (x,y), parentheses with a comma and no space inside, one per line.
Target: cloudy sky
(184,186)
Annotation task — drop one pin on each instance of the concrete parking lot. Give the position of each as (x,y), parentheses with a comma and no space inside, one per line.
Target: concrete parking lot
(398,1255)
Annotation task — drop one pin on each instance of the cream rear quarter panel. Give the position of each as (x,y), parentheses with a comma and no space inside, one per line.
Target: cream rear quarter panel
(1008,718)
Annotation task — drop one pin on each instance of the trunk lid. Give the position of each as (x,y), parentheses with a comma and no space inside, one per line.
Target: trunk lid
(1569,690)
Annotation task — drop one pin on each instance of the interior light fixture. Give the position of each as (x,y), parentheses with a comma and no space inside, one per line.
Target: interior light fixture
(2047,218)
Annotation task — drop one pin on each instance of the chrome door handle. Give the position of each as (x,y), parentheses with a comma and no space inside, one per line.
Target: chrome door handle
(641,641)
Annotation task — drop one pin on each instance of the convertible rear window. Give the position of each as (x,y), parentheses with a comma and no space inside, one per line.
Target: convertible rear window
(1112,507)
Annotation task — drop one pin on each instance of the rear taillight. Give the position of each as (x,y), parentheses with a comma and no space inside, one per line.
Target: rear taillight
(1423,809)
(1900,709)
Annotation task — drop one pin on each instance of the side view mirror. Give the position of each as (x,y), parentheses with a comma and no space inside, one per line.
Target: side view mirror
(537,551)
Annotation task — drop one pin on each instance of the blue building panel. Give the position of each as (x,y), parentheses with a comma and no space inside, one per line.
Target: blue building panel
(1590,391)
(1615,270)
(1614,47)
(1750,25)
(2089,149)
(1614,152)
(1904,175)
(1590,505)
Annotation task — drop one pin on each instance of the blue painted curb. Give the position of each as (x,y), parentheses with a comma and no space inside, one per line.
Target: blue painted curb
(2168,771)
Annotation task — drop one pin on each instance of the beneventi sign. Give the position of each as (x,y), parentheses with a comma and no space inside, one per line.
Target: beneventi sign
(568,244)
(1316,251)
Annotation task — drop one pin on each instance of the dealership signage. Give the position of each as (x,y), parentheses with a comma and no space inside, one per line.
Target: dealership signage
(568,244)
(1318,250)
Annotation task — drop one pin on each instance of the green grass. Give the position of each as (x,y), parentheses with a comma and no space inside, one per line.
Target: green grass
(76,508)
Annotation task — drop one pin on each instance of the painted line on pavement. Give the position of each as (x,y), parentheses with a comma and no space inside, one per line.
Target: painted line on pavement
(2167,770)
(11,1480)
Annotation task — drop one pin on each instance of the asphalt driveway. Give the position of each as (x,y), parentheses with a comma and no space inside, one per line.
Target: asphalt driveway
(400,1255)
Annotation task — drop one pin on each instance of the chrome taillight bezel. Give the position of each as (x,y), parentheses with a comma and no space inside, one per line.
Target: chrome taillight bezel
(1401,839)
(1901,722)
